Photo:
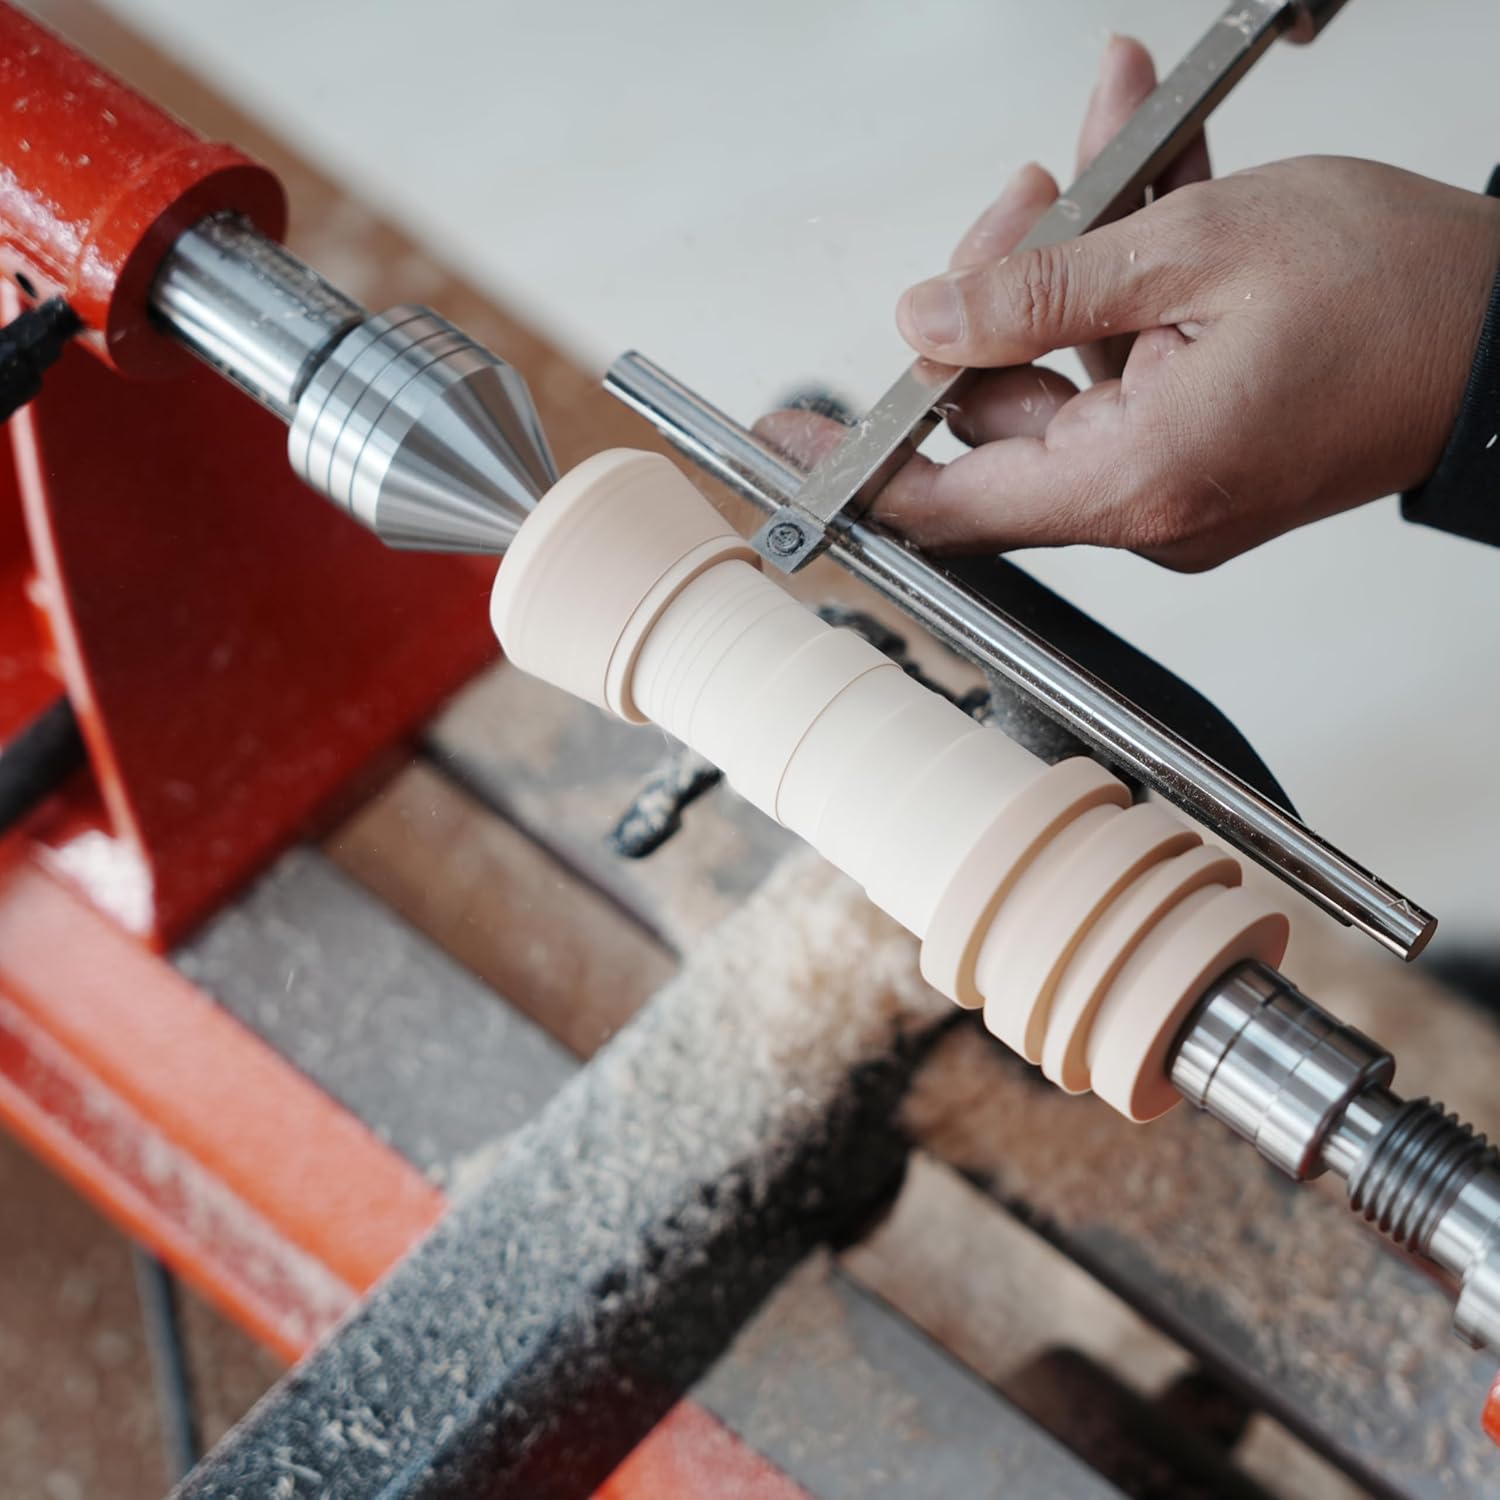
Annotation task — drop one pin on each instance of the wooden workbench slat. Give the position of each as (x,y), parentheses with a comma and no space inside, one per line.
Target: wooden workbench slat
(564,774)
(559,951)
(381,1019)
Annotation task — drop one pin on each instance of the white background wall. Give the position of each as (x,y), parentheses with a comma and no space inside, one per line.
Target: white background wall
(742,190)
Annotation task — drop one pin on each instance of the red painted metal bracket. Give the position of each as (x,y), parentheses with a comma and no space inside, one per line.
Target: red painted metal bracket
(691,1455)
(99,182)
(236,650)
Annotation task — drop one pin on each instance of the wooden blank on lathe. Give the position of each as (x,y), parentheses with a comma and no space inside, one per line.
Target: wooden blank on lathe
(1085,927)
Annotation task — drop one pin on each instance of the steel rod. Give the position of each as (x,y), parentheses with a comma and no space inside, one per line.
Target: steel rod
(248,307)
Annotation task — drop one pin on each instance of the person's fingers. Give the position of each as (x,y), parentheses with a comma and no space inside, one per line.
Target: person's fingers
(1008,220)
(1125,463)
(1014,493)
(995,309)
(1105,358)
(1126,76)
(1027,491)
(1117,465)
(1149,350)
(1191,164)
(1141,272)
(1018,402)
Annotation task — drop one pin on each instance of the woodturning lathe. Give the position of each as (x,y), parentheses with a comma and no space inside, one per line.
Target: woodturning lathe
(402,420)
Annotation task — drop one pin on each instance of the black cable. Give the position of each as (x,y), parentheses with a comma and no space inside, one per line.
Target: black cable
(162,1316)
(38,760)
(28,345)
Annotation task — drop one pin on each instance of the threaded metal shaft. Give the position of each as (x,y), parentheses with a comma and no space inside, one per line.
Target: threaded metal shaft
(1312,1094)
(1414,1171)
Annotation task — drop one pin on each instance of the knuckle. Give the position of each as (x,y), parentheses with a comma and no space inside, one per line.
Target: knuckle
(1197,210)
(1206,228)
(1039,293)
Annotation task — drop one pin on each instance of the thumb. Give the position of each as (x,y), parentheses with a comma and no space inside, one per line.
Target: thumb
(1123,278)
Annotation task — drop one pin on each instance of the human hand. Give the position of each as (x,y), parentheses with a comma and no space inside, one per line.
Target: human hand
(1267,349)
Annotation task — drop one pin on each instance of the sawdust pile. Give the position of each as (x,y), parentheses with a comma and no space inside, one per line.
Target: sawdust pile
(834,981)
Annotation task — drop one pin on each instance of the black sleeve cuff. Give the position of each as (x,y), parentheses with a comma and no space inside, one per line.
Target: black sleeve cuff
(1463,495)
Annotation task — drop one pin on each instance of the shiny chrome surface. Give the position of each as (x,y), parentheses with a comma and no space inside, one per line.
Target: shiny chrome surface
(1274,1067)
(1312,1094)
(1466,1243)
(1109,723)
(1347,1144)
(421,435)
(1431,1183)
(844,483)
(401,420)
(247,306)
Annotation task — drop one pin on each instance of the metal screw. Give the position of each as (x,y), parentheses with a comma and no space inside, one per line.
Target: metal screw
(785,538)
